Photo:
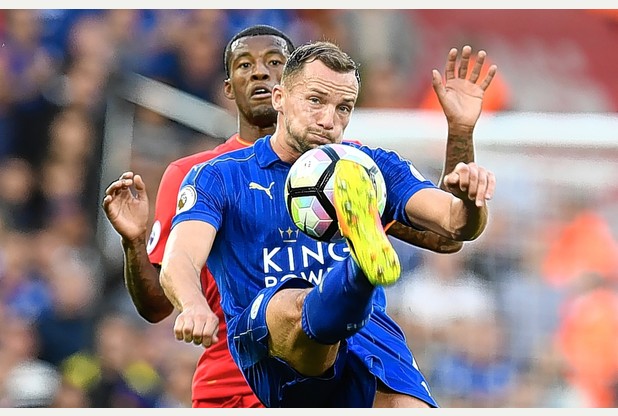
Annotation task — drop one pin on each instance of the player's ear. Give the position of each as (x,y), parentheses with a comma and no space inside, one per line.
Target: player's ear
(227,90)
(277,97)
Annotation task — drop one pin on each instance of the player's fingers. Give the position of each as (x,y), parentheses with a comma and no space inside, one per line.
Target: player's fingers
(452,179)
(200,336)
(178,331)
(210,330)
(491,185)
(126,182)
(126,175)
(464,181)
(491,73)
(204,330)
(478,65)
(465,59)
(449,69)
(215,335)
(118,185)
(462,171)
(179,328)
(481,186)
(183,328)
(187,332)
(215,331)
(473,182)
(126,179)
(436,82)
(112,187)
(140,186)
(106,201)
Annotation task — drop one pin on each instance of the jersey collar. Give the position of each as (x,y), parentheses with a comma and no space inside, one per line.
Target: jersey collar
(236,138)
(264,152)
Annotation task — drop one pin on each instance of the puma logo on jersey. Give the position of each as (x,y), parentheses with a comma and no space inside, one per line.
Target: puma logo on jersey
(253,185)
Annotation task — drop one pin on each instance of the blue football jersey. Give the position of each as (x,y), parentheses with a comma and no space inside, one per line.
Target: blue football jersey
(257,245)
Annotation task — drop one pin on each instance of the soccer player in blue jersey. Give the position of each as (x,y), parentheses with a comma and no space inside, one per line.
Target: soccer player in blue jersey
(306,320)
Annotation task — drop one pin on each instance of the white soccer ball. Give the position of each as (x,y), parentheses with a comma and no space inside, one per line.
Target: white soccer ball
(309,189)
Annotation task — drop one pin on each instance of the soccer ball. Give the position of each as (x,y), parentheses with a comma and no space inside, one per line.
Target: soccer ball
(309,189)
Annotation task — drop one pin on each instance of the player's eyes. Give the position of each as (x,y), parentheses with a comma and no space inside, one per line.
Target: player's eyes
(244,65)
(345,109)
(276,62)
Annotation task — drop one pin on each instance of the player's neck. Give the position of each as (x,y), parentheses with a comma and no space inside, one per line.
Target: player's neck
(280,146)
(250,133)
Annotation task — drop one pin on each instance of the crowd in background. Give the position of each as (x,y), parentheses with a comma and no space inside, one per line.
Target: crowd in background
(530,321)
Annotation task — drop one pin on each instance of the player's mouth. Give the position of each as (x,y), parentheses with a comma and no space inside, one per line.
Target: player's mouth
(321,139)
(260,93)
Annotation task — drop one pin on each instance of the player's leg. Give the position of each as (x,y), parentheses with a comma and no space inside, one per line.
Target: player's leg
(289,341)
(341,305)
(270,346)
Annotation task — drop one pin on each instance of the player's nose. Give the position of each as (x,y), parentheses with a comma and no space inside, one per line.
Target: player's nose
(260,71)
(326,118)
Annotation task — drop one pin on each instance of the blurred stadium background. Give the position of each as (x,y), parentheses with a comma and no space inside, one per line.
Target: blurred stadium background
(526,316)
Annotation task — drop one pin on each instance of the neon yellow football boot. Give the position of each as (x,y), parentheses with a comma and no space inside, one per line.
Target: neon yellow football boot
(355,202)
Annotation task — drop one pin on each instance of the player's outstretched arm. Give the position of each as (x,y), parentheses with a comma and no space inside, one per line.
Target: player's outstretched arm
(461,97)
(459,148)
(424,239)
(460,213)
(127,212)
(186,252)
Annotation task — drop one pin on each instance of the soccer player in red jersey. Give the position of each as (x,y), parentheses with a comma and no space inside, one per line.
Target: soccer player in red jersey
(254,61)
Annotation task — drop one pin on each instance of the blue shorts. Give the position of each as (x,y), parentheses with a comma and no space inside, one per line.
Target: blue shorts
(377,352)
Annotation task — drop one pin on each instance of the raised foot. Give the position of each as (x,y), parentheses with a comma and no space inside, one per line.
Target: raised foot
(359,222)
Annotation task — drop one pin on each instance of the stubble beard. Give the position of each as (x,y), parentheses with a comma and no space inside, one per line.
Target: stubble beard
(298,140)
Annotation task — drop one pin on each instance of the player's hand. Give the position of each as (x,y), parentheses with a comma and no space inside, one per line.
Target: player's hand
(461,93)
(471,182)
(126,206)
(198,325)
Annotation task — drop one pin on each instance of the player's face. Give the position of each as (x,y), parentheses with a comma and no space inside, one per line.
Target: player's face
(317,105)
(256,65)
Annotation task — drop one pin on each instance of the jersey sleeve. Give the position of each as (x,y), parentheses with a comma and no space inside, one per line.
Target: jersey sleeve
(165,209)
(201,196)
(402,179)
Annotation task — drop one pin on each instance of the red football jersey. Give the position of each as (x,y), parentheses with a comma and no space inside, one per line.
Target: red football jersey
(216,375)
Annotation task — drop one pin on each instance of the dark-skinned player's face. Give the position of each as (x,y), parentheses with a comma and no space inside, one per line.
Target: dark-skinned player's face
(256,64)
